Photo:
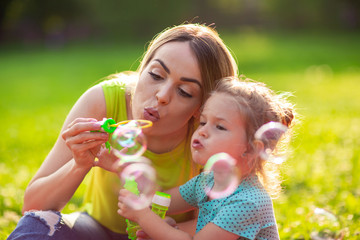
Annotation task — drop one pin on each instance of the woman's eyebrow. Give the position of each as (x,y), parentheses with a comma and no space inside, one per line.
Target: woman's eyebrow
(183,78)
(163,65)
(191,80)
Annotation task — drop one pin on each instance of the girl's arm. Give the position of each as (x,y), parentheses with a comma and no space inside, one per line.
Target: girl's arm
(72,156)
(177,204)
(157,229)
(188,226)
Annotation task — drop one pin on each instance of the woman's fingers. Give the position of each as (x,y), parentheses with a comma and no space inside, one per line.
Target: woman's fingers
(80,120)
(83,147)
(85,137)
(84,140)
(77,127)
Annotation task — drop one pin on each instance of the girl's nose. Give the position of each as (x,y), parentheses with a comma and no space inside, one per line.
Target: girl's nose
(203,131)
(163,95)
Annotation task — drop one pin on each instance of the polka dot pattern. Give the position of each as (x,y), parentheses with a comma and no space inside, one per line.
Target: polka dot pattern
(248,212)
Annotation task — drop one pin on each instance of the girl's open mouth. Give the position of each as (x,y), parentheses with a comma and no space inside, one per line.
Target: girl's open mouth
(196,144)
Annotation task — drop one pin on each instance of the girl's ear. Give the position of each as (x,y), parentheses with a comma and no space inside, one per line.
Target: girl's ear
(258,147)
(254,151)
(250,157)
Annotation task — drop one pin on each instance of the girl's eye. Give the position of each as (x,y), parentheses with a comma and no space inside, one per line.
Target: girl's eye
(202,123)
(184,93)
(155,76)
(221,128)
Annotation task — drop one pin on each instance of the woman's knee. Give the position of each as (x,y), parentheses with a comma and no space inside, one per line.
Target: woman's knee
(39,225)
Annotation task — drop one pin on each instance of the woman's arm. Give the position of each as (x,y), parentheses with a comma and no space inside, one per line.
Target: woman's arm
(71,157)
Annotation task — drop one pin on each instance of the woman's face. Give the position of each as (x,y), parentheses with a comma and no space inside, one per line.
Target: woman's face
(169,90)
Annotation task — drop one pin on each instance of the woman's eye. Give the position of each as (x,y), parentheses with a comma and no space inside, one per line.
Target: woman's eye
(221,128)
(184,93)
(155,76)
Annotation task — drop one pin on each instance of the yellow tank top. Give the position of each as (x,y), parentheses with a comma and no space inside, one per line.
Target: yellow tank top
(172,169)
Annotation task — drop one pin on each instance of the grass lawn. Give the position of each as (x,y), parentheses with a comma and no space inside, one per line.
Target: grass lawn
(38,87)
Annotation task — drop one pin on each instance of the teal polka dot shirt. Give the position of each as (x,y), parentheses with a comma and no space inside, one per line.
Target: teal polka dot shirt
(247,212)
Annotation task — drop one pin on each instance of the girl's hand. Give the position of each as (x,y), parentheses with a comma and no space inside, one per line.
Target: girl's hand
(125,210)
(141,235)
(84,144)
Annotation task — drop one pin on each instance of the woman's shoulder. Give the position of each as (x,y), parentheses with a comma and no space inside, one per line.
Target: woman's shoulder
(125,80)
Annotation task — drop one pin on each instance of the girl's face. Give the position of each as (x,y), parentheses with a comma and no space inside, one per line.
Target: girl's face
(221,129)
(168,92)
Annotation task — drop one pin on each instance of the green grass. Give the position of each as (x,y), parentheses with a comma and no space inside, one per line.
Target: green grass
(38,87)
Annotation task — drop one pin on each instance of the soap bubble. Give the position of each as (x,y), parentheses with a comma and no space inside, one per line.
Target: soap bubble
(128,141)
(223,168)
(139,178)
(324,225)
(272,135)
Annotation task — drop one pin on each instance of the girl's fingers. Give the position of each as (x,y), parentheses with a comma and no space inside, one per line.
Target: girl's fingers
(123,193)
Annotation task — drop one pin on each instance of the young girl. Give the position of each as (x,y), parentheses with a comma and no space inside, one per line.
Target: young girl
(228,122)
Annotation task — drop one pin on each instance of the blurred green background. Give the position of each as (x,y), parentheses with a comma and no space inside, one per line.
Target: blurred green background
(52,51)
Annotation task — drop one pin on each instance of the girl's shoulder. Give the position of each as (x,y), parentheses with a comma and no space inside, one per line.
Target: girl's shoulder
(251,190)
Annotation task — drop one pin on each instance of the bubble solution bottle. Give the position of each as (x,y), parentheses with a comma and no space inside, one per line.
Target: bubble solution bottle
(160,203)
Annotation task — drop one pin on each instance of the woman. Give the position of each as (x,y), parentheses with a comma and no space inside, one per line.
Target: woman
(177,72)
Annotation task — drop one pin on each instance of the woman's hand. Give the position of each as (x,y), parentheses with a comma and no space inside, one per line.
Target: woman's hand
(84,144)
(106,159)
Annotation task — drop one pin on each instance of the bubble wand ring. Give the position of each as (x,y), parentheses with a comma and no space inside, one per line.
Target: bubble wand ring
(143,123)
(109,125)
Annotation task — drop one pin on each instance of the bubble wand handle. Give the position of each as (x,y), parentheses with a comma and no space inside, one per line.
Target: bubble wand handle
(132,227)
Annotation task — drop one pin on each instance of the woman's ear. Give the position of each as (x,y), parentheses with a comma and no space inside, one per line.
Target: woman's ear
(196,115)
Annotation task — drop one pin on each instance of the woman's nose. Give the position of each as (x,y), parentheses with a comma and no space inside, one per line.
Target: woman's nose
(163,95)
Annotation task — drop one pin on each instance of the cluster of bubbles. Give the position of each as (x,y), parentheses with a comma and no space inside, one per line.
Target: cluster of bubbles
(138,176)
(129,143)
(135,171)
(222,166)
